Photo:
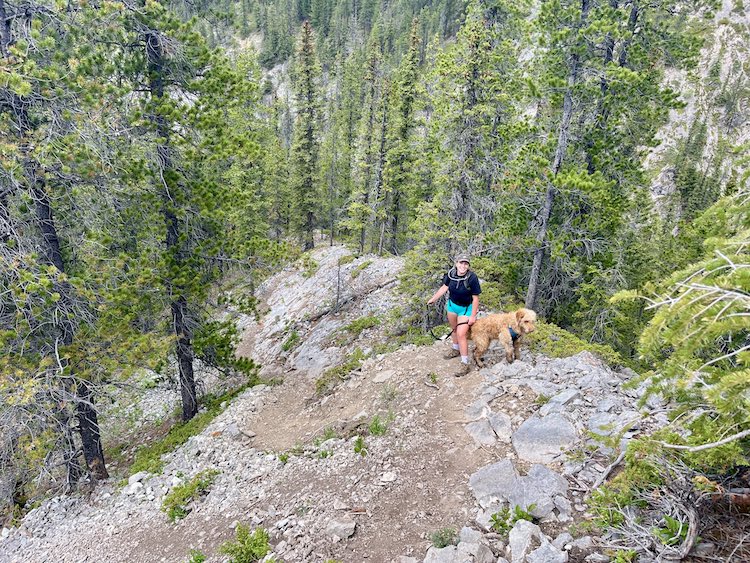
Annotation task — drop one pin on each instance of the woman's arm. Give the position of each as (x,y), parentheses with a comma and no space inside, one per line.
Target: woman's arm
(474,309)
(438,294)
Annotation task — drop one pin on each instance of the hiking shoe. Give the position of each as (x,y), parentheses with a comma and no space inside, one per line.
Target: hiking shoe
(463,370)
(451,354)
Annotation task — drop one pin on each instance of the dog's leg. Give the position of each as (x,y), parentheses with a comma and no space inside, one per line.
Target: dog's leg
(517,348)
(505,340)
(482,344)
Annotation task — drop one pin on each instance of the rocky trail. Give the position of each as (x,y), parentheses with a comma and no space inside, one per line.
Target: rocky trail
(399,451)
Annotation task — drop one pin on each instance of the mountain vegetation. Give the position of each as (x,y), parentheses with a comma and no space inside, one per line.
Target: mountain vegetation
(159,157)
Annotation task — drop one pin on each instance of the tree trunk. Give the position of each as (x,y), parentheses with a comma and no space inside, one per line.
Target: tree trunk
(562,145)
(179,304)
(379,174)
(88,426)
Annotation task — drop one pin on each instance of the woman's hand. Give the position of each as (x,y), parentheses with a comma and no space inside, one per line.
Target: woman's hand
(472,320)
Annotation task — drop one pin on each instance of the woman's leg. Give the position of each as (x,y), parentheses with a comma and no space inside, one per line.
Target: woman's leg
(453,321)
(461,332)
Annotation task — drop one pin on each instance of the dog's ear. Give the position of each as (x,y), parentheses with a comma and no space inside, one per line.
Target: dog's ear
(519,315)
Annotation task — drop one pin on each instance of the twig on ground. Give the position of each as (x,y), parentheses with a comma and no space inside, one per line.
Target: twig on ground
(603,477)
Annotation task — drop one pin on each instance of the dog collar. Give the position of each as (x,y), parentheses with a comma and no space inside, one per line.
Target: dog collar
(513,334)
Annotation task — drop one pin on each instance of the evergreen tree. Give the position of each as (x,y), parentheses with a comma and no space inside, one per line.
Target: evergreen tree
(398,177)
(306,146)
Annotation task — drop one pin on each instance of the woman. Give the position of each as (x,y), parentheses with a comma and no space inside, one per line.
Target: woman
(463,290)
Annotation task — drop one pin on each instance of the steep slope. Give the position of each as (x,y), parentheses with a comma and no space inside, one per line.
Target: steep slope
(401,449)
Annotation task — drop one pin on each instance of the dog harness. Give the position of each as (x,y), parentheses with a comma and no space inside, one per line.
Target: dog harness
(513,334)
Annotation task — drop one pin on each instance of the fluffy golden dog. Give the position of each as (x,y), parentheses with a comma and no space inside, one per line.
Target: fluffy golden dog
(507,328)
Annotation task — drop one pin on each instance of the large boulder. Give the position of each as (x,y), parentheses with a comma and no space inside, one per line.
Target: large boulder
(542,440)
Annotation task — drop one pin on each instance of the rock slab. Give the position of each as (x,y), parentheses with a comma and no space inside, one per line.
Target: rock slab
(541,440)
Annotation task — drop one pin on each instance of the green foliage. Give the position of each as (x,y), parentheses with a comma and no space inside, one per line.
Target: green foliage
(444,537)
(215,343)
(697,340)
(148,458)
(359,268)
(176,502)
(247,547)
(329,433)
(360,447)
(504,520)
(541,399)
(352,331)
(551,340)
(330,378)
(291,341)
(196,556)
(344,260)
(673,532)
(308,265)
(379,426)
(625,556)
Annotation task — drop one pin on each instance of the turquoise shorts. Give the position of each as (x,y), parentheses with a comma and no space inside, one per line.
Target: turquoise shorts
(460,310)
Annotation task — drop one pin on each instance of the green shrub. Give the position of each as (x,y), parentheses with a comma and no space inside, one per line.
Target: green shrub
(196,556)
(326,382)
(673,532)
(344,260)
(504,519)
(291,341)
(625,556)
(379,426)
(148,458)
(352,331)
(308,265)
(176,503)
(359,446)
(360,268)
(247,548)
(444,537)
(556,342)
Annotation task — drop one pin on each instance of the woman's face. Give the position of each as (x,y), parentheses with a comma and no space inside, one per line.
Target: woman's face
(462,268)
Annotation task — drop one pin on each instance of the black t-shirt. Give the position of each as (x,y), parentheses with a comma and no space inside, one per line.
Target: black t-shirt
(458,291)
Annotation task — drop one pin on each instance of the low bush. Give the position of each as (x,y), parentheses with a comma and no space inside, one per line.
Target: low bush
(149,457)
(176,503)
(551,340)
(331,377)
(247,547)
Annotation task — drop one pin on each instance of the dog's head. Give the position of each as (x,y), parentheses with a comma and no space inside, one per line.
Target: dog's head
(526,319)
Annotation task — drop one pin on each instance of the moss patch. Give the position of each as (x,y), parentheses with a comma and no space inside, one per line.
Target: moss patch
(556,342)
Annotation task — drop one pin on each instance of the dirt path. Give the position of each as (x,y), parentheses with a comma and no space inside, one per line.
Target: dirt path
(425,445)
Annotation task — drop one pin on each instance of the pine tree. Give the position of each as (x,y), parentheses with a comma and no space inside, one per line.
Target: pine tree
(49,303)
(306,146)
(365,158)
(184,141)
(398,178)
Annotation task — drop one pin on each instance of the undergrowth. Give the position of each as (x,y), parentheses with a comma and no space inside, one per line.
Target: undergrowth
(149,457)
(176,503)
(352,331)
(503,520)
(331,377)
(360,268)
(553,341)
(444,537)
(247,547)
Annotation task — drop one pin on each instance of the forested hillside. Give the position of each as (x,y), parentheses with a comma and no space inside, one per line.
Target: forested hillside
(161,159)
